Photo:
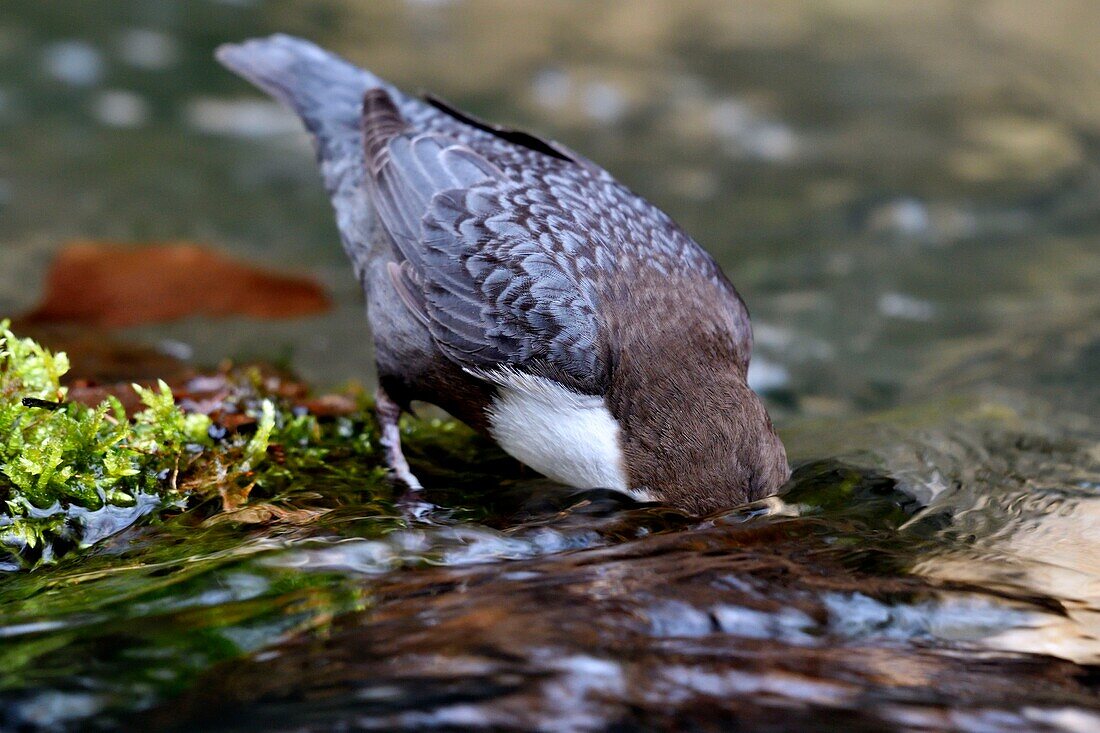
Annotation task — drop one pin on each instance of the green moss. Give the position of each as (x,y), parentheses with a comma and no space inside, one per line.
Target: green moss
(62,462)
(54,453)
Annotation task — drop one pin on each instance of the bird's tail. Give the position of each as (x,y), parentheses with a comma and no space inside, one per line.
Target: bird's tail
(327,92)
(324,89)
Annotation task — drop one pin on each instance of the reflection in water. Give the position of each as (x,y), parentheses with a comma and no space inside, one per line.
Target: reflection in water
(612,611)
(1032,527)
(906,196)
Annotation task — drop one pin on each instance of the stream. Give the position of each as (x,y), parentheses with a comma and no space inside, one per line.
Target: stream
(904,193)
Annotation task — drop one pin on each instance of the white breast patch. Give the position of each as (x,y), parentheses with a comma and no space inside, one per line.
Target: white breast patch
(569,437)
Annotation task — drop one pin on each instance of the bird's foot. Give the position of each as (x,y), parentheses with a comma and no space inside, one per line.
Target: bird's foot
(411,502)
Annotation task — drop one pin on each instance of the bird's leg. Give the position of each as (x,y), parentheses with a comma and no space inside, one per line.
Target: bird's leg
(389,412)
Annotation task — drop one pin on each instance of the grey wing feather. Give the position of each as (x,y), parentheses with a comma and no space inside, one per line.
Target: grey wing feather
(503,236)
(409,289)
(491,294)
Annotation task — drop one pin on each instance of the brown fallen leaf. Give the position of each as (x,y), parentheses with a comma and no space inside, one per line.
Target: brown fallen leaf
(331,405)
(114,285)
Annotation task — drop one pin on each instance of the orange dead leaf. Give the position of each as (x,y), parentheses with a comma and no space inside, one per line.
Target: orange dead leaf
(114,285)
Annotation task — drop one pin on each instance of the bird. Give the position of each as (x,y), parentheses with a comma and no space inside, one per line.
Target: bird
(520,287)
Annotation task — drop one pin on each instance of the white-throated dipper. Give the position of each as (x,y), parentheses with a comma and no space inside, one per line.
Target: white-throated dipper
(520,287)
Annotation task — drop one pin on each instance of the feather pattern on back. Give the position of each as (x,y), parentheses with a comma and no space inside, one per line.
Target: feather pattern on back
(508,244)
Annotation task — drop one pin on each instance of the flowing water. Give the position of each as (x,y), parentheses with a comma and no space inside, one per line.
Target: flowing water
(905,193)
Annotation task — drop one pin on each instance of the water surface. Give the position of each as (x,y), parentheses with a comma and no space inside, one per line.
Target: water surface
(905,194)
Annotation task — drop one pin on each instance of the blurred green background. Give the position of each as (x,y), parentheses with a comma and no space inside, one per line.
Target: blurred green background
(904,192)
